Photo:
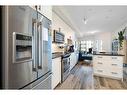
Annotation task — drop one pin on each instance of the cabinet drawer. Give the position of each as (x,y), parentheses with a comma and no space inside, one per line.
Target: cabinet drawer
(101,58)
(115,59)
(117,74)
(95,58)
(115,65)
(99,71)
(98,63)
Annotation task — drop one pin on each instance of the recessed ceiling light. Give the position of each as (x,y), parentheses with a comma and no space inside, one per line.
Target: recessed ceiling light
(92,32)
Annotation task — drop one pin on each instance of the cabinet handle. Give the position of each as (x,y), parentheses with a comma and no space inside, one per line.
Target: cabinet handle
(114,64)
(114,73)
(114,57)
(100,63)
(100,70)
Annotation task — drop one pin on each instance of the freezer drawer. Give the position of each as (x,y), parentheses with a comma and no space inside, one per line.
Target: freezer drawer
(45,84)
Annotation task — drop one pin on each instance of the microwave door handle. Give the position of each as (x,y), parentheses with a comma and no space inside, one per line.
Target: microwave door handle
(40,45)
(34,44)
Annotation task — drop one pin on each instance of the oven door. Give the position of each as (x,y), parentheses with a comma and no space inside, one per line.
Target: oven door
(66,64)
(65,68)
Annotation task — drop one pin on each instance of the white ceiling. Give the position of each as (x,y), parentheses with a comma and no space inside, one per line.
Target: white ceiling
(99,18)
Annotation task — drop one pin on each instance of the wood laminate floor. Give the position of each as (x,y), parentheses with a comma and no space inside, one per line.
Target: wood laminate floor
(81,77)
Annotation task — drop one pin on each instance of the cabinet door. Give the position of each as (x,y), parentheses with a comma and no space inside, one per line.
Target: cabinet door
(47,11)
(75,59)
(77,56)
(33,7)
(44,10)
(56,70)
(72,60)
(116,72)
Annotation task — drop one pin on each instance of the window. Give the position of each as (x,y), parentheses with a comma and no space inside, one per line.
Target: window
(85,45)
(98,45)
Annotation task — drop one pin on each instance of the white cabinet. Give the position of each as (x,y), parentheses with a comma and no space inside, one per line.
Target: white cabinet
(45,10)
(73,60)
(109,66)
(77,55)
(34,7)
(56,70)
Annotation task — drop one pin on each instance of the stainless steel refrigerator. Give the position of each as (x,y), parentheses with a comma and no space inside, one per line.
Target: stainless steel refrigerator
(26,45)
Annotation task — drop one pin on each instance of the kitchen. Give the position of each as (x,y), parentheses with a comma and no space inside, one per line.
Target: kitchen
(24,48)
(40,47)
(27,54)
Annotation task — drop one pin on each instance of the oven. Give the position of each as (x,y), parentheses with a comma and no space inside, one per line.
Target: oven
(22,47)
(65,66)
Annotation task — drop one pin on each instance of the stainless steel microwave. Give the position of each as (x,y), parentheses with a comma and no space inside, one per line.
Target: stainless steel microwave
(58,37)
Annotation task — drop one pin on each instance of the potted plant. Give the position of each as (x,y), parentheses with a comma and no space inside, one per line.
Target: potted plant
(121,37)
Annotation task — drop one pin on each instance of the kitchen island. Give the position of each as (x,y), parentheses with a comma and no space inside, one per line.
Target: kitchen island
(108,65)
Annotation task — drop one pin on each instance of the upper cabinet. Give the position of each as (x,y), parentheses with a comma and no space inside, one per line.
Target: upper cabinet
(45,10)
(34,7)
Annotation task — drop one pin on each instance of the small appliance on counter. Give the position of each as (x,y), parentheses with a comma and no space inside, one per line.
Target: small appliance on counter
(71,48)
(60,46)
(66,48)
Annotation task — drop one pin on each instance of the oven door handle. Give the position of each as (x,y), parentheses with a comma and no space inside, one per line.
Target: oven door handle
(40,45)
(34,44)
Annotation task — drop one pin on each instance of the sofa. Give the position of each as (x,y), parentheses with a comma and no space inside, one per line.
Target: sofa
(83,55)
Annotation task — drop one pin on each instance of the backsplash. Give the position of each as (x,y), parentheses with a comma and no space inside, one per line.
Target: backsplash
(55,48)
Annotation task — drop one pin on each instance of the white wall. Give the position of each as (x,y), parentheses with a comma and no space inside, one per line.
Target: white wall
(106,40)
(57,23)
(90,37)
(115,33)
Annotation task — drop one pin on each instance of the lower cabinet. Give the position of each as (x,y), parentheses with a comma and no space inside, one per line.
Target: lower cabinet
(73,60)
(77,56)
(56,71)
(108,66)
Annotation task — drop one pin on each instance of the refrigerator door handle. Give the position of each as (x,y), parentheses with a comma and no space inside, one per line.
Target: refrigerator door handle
(34,44)
(40,45)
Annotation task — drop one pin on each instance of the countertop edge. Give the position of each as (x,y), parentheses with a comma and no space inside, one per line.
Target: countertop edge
(56,57)
(109,54)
